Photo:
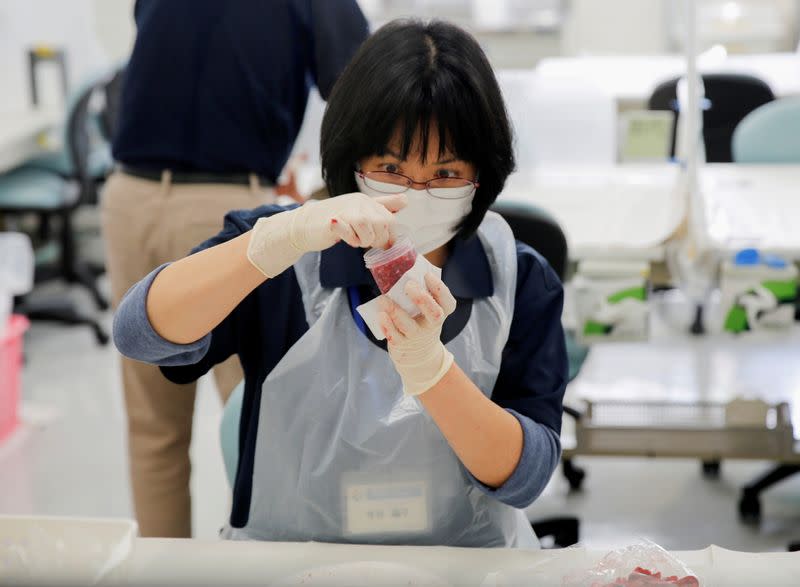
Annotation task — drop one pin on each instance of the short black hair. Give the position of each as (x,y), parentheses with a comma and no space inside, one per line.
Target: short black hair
(407,75)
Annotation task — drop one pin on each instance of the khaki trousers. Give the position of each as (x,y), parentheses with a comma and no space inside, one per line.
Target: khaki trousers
(147,223)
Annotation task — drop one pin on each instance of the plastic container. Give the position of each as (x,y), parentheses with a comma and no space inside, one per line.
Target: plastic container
(611,301)
(759,291)
(388,266)
(16,271)
(10,368)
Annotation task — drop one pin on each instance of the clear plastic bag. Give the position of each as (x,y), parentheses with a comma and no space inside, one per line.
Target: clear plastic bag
(640,565)
(578,567)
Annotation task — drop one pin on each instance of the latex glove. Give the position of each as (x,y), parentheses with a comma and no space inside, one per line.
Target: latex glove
(414,343)
(277,242)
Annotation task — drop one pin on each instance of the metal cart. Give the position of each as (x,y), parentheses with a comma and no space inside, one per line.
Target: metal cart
(711,432)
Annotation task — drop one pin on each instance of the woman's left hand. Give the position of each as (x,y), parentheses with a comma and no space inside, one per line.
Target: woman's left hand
(414,343)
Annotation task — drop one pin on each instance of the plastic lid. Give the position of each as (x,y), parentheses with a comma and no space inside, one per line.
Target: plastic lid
(375,257)
(775,262)
(747,257)
(16,263)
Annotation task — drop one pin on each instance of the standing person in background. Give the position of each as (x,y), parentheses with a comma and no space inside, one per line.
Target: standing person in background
(213,99)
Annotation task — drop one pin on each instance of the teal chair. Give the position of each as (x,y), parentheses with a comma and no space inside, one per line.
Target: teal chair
(770,134)
(29,190)
(229,432)
(537,228)
(99,161)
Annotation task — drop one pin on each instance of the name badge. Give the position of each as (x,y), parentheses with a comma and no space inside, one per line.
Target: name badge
(397,507)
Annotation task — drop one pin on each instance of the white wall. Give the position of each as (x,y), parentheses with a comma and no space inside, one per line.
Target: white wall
(616,27)
(68,25)
(114,26)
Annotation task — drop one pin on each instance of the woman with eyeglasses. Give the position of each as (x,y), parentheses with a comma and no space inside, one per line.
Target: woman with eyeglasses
(437,435)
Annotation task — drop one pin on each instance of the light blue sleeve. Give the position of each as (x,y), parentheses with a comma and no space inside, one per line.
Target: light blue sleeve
(541,451)
(135,337)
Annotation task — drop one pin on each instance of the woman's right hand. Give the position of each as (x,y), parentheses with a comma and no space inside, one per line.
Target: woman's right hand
(278,241)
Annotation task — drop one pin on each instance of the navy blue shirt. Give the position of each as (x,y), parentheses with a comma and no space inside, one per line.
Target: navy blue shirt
(221,87)
(262,328)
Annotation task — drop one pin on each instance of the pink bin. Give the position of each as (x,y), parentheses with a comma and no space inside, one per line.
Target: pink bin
(10,368)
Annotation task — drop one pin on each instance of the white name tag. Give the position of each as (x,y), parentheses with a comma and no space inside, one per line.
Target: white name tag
(386,508)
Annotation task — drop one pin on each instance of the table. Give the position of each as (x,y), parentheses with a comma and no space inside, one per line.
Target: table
(631,79)
(56,550)
(186,562)
(752,206)
(629,211)
(621,211)
(20,134)
(678,367)
(46,550)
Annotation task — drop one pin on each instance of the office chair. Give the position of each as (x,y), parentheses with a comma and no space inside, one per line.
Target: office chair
(112,90)
(99,161)
(32,190)
(769,134)
(538,229)
(730,98)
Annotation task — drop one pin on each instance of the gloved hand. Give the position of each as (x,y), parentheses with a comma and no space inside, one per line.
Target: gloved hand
(278,241)
(414,343)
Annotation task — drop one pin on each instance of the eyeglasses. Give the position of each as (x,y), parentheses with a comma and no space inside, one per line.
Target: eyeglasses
(444,188)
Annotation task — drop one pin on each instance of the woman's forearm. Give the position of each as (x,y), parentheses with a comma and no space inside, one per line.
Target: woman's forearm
(192,296)
(486,438)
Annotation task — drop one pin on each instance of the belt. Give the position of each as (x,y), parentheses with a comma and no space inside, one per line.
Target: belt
(194,176)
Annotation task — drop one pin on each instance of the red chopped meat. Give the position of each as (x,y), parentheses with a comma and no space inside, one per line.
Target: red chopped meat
(389,273)
(641,577)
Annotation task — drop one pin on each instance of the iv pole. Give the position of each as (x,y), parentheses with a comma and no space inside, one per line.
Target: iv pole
(697,259)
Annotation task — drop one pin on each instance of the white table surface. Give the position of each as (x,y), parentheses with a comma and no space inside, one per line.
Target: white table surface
(185,562)
(752,205)
(629,211)
(624,211)
(20,132)
(633,78)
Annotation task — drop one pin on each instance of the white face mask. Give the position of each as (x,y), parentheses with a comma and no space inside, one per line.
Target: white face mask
(430,222)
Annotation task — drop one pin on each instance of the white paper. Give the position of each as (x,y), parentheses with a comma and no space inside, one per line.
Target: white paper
(387,508)
(369,311)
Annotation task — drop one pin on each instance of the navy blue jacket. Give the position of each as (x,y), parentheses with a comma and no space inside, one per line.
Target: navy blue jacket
(221,86)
